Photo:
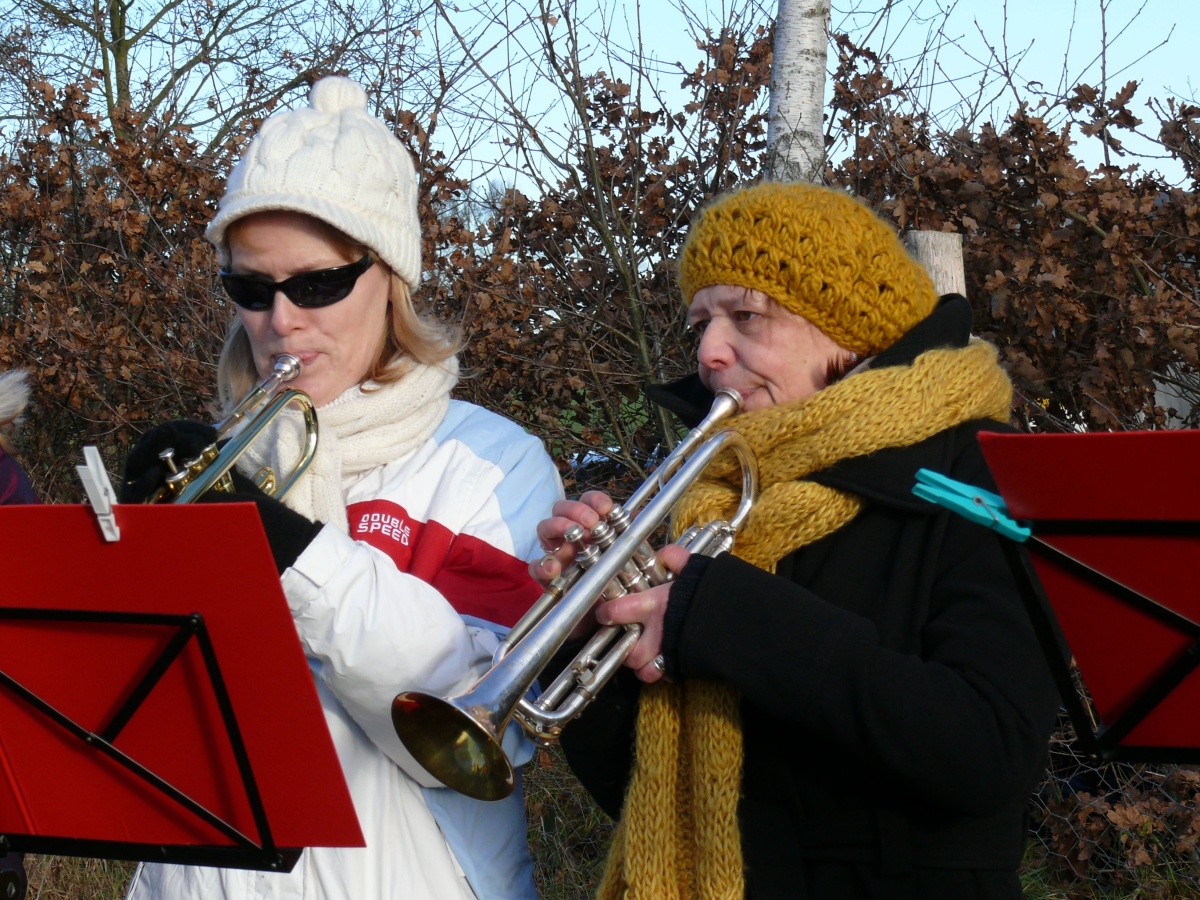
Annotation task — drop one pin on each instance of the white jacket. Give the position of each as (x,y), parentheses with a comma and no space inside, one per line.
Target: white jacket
(433,569)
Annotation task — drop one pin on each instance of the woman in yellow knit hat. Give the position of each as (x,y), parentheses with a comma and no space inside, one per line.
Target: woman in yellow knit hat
(852,703)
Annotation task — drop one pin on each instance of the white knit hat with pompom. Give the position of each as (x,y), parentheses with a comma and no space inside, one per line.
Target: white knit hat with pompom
(336,162)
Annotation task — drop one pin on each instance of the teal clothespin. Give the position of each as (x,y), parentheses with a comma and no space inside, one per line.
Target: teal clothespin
(969,501)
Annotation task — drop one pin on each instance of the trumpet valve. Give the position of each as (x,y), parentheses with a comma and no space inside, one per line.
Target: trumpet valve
(575,536)
(618,518)
(264,478)
(201,460)
(176,477)
(643,570)
(602,535)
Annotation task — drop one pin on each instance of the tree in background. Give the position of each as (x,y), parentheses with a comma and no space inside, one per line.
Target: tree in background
(1090,260)
(562,266)
(107,287)
(569,289)
(795,133)
(210,67)
(1085,280)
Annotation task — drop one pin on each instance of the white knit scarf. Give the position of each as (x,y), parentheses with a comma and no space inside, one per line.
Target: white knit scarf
(363,428)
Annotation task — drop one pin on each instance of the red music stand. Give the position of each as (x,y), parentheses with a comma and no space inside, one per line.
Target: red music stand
(155,702)
(1109,574)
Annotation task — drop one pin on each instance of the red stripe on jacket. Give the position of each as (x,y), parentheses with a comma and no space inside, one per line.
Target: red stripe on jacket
(476,578)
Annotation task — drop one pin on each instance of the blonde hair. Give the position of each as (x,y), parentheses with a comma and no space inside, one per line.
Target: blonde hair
(14,397)
(409,338)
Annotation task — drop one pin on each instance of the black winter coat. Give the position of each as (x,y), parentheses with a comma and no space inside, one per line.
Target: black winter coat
(896,706)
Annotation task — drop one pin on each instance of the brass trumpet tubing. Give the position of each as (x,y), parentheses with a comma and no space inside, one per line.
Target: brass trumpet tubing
(225,461)
(543,719)
(642,570)
(310,445)
(286,368)
(713,539)
(211,468)
(564,692)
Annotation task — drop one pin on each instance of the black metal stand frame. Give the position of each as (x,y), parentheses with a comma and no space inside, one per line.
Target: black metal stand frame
(1104,742)
(247,853)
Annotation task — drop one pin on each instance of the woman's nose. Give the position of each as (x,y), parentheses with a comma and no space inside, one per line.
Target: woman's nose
(715,351)
(285,315)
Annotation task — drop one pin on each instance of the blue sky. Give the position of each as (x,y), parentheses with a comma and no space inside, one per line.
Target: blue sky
(1051,43)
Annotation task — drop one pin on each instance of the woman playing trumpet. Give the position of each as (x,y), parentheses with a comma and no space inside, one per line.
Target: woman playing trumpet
(403,549)
(852,703)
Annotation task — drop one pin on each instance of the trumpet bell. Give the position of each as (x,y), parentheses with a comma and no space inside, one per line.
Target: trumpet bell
(460,747)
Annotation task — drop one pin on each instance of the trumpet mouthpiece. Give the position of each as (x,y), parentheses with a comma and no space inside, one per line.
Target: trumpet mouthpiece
(728,401)
(287,366)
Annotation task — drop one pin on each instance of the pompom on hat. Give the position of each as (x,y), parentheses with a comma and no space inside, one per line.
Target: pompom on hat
(817,252)
(336,162)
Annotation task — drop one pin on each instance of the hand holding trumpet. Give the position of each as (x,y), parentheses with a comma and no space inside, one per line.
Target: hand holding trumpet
(189,461)
(646,608)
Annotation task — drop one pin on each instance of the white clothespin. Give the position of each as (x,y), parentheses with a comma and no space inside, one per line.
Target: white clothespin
(100,492)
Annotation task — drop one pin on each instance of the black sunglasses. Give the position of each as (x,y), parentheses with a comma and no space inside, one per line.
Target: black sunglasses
(308,290)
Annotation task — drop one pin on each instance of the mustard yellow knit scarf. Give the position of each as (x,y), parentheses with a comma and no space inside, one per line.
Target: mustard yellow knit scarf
(678,836)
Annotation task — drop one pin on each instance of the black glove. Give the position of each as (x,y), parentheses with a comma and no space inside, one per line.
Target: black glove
(13,882)
(288,532)
(145,473)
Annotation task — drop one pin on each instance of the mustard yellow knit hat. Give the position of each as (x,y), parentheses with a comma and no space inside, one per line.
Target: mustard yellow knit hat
(816,251)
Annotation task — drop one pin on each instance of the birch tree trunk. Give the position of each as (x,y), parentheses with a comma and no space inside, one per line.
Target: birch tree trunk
(795,133)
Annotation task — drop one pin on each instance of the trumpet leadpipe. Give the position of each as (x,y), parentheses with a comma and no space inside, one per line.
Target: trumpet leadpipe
(211,467)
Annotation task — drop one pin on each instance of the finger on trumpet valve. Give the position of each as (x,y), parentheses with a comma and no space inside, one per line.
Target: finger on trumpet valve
(574,535)
(602,535)
(643,570)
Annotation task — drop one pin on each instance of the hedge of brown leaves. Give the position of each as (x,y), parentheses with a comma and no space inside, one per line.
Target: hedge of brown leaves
(107,294)
(1087,281)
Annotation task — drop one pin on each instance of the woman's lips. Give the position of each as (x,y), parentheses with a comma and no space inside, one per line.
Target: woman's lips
(306,357)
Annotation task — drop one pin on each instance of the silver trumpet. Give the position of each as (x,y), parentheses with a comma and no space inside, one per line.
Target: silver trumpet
(458,739)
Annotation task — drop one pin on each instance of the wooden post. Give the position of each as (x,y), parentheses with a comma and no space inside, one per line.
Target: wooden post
(940,252)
